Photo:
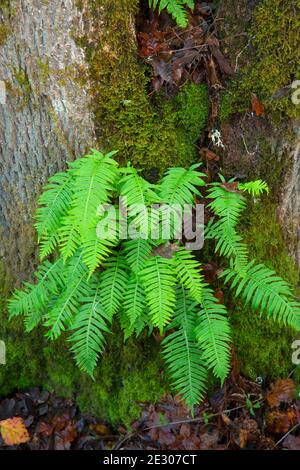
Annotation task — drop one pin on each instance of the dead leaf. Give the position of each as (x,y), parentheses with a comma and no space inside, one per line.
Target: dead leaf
(257,106)
(292,442)
(280,422)
(281,392)
(209,155)
(101,429)
(231,187)
(13,431)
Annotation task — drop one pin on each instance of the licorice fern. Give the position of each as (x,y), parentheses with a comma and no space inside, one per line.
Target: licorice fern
(176,8)
(144,282)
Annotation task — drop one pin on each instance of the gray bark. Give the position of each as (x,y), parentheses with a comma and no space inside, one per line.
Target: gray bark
(289,209)
(46,118)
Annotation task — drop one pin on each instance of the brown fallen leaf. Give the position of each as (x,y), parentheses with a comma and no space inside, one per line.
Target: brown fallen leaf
(101,429)
(280,422)
(13,431)
(257,106)
(231,187)
(281,392)
(209,155)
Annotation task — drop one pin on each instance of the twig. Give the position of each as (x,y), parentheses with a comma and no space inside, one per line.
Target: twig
(239,55)
(249,153)
(184,421)
(287,434)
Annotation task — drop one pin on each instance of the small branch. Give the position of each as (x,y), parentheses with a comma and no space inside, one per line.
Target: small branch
(287,434)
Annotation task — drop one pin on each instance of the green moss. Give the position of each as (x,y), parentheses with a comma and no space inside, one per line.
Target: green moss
(4,33)
(275,33)
(147,133)
(128,374)
(263,347)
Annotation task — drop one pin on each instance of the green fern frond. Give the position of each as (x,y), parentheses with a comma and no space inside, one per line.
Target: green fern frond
(134,300)
(176,8)
(137,252)
(267,292)
(255,188)
(60,315)
(136,191)
(96,250)
(213,334)
(89,327)
(229,242)
(113,282)
(53,205)
(95,180)
(228,206)
(130,329)
(69,236)
(188,273)
(181,353)
(225,204)
(180,186)
(33,299)
(158,279)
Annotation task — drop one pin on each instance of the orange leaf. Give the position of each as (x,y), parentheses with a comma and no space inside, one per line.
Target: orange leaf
(13,431)
(257,106)
(281,392)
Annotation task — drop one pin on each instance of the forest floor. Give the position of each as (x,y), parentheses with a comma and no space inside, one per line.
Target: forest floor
(241,415)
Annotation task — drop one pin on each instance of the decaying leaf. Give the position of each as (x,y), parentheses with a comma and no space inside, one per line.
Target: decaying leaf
(13,431)
(280,422)
(281,392)
(257,106)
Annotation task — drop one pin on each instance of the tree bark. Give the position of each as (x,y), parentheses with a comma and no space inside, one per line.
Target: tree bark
(46,118)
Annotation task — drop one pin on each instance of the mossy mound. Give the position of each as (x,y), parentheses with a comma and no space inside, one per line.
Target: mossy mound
(263,347)
(128,374)
(273,64)
(151,133)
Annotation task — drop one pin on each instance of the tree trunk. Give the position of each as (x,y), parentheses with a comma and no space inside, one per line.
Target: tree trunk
(45,119)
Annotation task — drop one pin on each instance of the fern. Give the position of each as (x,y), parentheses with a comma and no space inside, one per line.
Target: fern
(180,186)
(183,356)
(188,273)
(137,253)
(113,284)
(149,281)
(228,207)
(213,334)
(255,188)
(53,205)
(93,185)
(267,292)
(158,279)
(90,325)
(32,300)
(63,309)
(176,8)
(134,300)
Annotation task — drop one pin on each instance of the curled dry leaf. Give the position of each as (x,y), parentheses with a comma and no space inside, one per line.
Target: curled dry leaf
(280,422)
(281,392)
(13,431)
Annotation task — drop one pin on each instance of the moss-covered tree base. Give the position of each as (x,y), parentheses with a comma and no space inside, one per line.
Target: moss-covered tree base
(152,134)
